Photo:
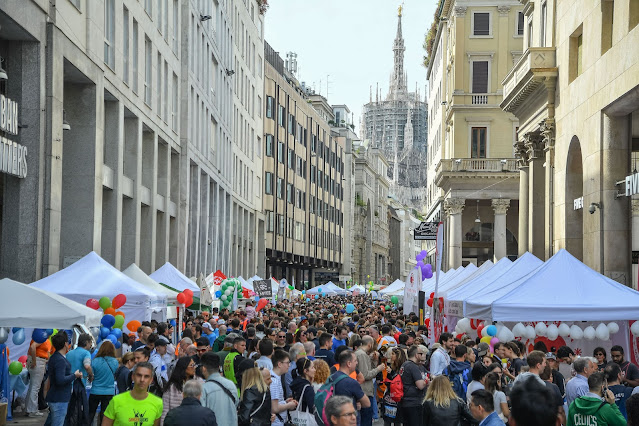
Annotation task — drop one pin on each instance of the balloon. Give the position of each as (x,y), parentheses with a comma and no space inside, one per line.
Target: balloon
(552,332)
(224,297)
(564,329)
(4,334)
(39,335)
(261,304)
(519,330)
(463,324)
(308,300)
(133,326)
(590,333)
(188,292)
(420,264)
(394,300)
(15,368)
(494,341)
(485,339)
(602,332)
(112,338)
(109,311)
(227,292)
(117,332)
(181,298)
(316,296)
(18,337)
(95,332)
(118,301)
(218,294)
(23,360)
(576,333)
(320,289)
(303,291)
(108,320)
(429,267)
(634,328)
(429,302)
(428,274)
(290,287)
(613,327)
(540,329)
(505,335)
(188,302)
(484,331)
(491,330)
(119,322)
(480,328)
(350,308)
(530,332)
(93,303)
(15,329)
(172,322)
(104,332)
(388,308)
(104,302)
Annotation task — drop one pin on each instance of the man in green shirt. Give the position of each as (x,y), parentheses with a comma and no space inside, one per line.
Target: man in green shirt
(597,407)
(136,407)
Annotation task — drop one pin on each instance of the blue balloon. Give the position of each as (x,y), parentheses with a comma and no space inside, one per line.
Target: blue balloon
(491,330)
(39,335)
(350,308)
(108,320)
(118,345)
(18,337)
(15,329)
(49,331)
(112,338)
(70,335)
(218,294)
(303,291)
(116,332)
(172,322)
(308,300)
(104,332)
(257,298)
(320,289)
(316,296)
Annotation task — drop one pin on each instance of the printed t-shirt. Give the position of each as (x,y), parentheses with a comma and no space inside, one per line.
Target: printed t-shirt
(411,373)
(621,393)
(125,410)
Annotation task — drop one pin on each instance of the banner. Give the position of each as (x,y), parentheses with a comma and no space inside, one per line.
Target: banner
(205,295)
(234,303)
(411,290)
(263,289)
(218,277)
(436,316)
(281,290)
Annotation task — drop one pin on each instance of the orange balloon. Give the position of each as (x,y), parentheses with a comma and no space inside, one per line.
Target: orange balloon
(133,326)
(120,313)
(109,311)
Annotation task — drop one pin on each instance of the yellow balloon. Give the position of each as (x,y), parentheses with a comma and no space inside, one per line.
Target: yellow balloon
(486,339)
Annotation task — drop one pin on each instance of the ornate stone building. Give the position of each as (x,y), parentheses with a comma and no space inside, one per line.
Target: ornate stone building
(396,125)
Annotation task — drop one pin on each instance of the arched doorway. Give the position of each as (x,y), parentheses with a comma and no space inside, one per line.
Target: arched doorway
(574,190)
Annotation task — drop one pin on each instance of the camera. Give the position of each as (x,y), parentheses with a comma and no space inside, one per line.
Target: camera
(593,207)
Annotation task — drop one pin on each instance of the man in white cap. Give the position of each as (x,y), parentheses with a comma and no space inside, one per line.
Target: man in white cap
(207,331)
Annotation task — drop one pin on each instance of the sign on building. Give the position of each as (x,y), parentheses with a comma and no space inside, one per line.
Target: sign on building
(426,231)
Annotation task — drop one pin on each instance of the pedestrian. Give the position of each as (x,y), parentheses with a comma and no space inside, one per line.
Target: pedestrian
(440,359)
(232,361)
(600,355)
(589,408)
(219,394)
(158,348)
(492,384)
(458,371)
(442,405)
(533,405)
(340,337)
(280,401)
(632,409)
(578,385)
(255,406)
(324,352)
(557,377)
(136,407)
(294,354)
(173,390)
(104,366)
(414,378)
(629,371)
(124,370)
(301,386)
(366,357)
(80,357)
(391,409)
(190,412)
(478,373)
(60,380)
(482,408)
(322,373)
(621,392)
(340,411)
(265,348)
(512,353)
(546,376)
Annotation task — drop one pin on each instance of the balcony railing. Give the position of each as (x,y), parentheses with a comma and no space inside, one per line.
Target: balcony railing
(480,99)
(494,165)
(534,65)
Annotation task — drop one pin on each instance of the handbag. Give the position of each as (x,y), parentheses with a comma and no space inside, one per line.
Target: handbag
(302,418)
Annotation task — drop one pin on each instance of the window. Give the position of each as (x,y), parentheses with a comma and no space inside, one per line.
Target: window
(312,174)
(159,21)
(291,124)
(542,28)
(480,76)
(575,54)
(259,106)
(280,224)
(478,142)
(148,7)
(291,157)
(268,183)
(481,24)
(607,22)
(520,23)
(269,145)
(176,25)
(280,152)
(289,193)
(109,33)
(174,106)
(148,70)
(280,183)
(270,221)
(158,68)
(125,44)
(134,60)
(269,107)
(280,115)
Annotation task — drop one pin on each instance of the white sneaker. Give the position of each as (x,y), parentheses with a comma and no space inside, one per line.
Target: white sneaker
(36,414)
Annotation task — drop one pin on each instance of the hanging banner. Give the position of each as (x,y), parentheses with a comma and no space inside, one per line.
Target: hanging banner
(263,289)
(218,277)
(436,316)
(411,291)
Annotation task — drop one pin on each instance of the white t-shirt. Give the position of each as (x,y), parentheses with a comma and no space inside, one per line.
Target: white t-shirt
(386,340)
(277,392)
(498,398)
(472,387)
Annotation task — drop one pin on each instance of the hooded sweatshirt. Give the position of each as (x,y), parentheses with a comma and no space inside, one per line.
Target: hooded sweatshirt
(308,399)
(589,410)
(458,373)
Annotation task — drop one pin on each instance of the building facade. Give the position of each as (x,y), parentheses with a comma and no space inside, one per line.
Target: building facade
(303,181)
(473,182)
(403,248)
(575,92)
(396,125)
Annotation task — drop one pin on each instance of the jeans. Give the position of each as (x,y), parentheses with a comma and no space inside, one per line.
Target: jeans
(57,413)
(36,375)
(367,414)
(94,400)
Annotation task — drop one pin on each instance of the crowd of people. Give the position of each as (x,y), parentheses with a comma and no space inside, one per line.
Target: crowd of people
(312,362)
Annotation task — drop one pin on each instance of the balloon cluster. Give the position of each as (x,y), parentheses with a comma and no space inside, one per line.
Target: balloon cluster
(431,301)
(427,269)
(553,331)
(39,335)
(185,298)
(227,288)
(112,320)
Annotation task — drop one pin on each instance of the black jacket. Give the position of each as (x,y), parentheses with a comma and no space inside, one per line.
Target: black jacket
(308,399)
(78,409)
(255,408)
(190,413)
(451,416)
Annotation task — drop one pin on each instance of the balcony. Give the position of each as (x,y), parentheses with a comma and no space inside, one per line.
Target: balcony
(461,174)
(490,100)
(528,74)
(478,165)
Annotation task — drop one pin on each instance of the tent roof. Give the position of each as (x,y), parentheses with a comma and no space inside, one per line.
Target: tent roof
(41,308)
(168,274)
(459,274)
(478,282)
(357,288)
(396,285)
(325,290)
(133,271)
(578,294)
(336,288)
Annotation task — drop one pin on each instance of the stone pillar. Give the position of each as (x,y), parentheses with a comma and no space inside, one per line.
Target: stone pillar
(547,129)
(536,194)
(454,208)
(635,240)
(522,240)
(499,231)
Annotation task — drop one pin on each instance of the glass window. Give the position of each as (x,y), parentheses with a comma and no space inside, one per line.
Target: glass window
(109,33)
(269,107)
(478,142)
(481,22)
(480,76)
(269,145)
(268,183)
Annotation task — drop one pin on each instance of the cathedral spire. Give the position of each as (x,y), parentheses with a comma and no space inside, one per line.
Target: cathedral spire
(398,79)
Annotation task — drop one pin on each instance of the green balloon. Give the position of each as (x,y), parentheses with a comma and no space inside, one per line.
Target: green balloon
(290,287)
(388,307)
(105,302)
(394,300)
(119,321)
(15,368)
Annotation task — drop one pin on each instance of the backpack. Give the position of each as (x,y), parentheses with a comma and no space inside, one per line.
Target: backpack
(396,388)
(321,397)
(459,381)
(392,396)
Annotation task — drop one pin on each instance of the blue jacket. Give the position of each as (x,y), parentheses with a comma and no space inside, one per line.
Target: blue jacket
(492,420)
(61,378)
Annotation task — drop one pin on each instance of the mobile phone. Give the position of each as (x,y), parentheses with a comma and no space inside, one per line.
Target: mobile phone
(605,387)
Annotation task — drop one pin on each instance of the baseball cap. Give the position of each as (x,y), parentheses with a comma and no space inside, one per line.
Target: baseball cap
(482,349)
(207,325)
(302,318)
(221,322)
(551,355)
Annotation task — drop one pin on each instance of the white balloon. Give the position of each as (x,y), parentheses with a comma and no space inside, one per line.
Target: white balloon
(613,327)
(510,336)
(552,332)
(576,333)
(530,332)
(590,333)
(602,332)
(464,325)
(484,331)
(519,330)
(634,328)
(564,329)
(224,297)
(502,335)
(541,328)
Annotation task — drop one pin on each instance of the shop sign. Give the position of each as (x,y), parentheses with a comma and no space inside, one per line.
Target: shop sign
(632,184)
(578,203)
(426,231)
(13,156)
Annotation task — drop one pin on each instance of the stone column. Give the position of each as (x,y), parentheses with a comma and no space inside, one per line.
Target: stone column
(500,206)
(536,194)
(454,208)
(522,233)
(547,129)
(635,240)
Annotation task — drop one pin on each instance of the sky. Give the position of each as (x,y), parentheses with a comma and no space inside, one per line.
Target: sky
(351,42)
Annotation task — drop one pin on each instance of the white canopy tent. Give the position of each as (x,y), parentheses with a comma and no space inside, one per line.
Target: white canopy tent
(325,290)
(93,277)
(478,305)
(169,275)
(357,288)
(31,307)
(340,291)
(450,278)
(138,274)
(395,286)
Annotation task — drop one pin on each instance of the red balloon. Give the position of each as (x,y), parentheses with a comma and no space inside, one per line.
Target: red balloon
(383,308)
(260,304)
(429,302)
(188,292)
(460,335)
(427,322)
(118,301)
(189,301)
(93,303)
(432,295)
(181,298)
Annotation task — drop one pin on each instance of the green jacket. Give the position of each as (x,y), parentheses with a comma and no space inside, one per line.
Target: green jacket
(218,345)
(591,411)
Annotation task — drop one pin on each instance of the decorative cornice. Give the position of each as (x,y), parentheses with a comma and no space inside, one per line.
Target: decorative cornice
(454,205)
(635,207)
(500,205)
(521,153)
(460,11)
(547,130)
(534,144)
(503,10)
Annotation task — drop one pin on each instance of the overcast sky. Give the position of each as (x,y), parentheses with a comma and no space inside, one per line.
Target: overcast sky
(351,41)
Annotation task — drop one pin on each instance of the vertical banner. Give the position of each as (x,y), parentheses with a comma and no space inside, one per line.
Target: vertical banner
(422,307)
(234,303)
(436,317)
(411,290)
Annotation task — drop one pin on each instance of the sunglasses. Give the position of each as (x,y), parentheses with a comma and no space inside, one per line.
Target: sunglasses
(281,337)
(202,350)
